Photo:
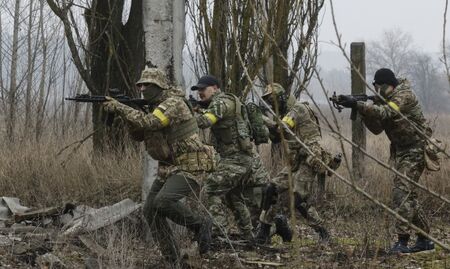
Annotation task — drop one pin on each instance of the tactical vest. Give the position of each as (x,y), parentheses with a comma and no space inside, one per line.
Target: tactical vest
(159,143)
(232,133)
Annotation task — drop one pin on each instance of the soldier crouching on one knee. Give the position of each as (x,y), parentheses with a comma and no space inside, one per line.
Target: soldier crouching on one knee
(170,134)
(304,167)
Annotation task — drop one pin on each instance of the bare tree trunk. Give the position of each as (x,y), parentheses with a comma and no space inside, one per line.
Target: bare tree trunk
(2,87)
(217,50)
(11,116)
(63,107)
(41,96)
(164,39)
(31,59)
(281,44)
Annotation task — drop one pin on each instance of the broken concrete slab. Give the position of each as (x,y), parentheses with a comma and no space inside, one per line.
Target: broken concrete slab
(101,217)
(10,206)
(39,213)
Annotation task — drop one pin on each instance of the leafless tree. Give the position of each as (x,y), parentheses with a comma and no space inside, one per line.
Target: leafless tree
(111,54)
(392,51)
(266,33)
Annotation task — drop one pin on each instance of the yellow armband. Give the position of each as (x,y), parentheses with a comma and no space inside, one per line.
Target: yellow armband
(164,120)
(394,106)
(211,117)
(289,121)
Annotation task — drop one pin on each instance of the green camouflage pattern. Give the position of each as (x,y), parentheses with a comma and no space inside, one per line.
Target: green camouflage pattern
(407,148)
(175,180)
(306,126)
(254,185)
(304,177)
(399,131)
(411,162)
(230,136)
(304,166)
(231,133)
(148,128)
(224,187)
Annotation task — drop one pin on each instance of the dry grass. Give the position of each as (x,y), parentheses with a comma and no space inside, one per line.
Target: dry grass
(40,176)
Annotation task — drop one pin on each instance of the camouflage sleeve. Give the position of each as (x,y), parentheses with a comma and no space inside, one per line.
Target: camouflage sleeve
(139,120)
(212,114)
(296,115)
(382,112)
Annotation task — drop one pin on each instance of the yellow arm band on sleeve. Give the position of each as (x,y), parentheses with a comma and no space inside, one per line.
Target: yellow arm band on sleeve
(211,117)
(394,106)
(289,121)
(164,120)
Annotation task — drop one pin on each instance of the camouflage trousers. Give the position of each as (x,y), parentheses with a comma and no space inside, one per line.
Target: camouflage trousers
(224,188)
(163,202)
(411,162)
(253,188)
(306,189)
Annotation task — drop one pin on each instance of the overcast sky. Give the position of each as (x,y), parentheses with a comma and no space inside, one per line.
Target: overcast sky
(365,20)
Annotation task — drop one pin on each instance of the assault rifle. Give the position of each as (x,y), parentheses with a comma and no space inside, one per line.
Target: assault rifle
(136,103)
(338,100)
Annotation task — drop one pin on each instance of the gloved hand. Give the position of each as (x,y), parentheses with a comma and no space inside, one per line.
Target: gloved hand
(347,101)
(110,105)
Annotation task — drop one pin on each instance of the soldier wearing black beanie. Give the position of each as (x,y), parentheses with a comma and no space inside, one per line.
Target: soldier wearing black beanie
(385,76)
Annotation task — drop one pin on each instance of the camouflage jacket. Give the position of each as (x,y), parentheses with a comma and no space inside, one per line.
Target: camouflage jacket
(170,132)
(229,125)
(385,117)
(303,122)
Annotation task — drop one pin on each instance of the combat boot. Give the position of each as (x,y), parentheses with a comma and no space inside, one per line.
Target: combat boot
(324,235)
(263,235)
(282,228)
(203,236)
(422,244)
(401,246)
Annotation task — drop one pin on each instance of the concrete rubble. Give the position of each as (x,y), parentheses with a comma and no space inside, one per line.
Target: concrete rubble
(30,233)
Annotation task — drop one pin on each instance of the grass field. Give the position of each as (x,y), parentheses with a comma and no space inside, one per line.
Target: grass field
(49,173)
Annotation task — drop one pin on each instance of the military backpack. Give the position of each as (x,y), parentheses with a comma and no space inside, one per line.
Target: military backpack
(260,132)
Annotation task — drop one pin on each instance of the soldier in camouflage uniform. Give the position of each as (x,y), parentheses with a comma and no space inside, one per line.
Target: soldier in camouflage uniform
(170,134)
(407,148)
(226,117)
(304,167)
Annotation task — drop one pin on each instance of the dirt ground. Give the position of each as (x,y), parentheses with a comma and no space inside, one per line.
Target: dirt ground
(358,242)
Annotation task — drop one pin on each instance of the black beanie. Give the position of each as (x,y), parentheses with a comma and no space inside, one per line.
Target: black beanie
(385,76)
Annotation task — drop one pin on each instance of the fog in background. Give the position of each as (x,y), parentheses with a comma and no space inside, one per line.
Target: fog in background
(418,24)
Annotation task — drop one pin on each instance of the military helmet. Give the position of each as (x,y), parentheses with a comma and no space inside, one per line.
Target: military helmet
(154,76)
(275,91)
(274,88)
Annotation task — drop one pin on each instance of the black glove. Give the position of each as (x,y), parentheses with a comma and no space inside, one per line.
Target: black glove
(347,101)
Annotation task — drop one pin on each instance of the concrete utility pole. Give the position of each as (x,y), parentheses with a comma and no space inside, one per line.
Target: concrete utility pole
(358,58)
(164,40)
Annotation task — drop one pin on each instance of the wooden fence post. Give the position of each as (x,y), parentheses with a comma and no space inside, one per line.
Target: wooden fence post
(358,58)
